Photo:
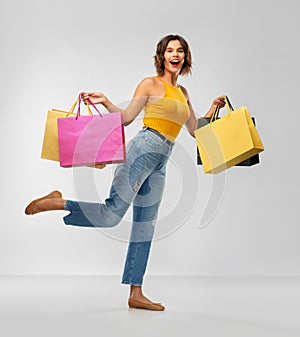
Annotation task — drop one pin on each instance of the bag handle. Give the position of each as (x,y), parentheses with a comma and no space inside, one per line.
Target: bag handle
(94,106)
(89,102)
(215,114)
(71,111)
(228,104)
(229,108)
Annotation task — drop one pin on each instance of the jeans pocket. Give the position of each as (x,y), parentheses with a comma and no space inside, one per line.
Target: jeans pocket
(153,142)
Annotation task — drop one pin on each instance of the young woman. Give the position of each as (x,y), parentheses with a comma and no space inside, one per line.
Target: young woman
(140,181)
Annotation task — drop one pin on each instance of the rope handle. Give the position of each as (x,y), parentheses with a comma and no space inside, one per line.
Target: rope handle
(78,101)
(89,102)
(229,108)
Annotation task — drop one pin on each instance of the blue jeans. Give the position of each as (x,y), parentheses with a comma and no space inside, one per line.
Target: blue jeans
(139,181)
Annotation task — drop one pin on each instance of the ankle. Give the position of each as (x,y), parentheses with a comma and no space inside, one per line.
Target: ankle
(136,291)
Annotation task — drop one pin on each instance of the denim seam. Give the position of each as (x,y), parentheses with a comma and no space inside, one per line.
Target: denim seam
(130,275)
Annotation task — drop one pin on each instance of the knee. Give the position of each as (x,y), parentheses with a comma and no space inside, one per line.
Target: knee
(113,221)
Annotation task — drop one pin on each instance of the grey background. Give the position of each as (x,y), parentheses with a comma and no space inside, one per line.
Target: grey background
(51,50)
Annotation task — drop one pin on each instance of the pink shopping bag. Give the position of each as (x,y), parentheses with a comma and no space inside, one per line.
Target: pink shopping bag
(91,140)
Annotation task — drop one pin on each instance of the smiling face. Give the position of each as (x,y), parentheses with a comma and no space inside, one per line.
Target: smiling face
(176,49)
(174,57)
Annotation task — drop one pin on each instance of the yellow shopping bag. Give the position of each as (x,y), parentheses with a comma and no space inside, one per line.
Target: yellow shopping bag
(50,143)
(227,141)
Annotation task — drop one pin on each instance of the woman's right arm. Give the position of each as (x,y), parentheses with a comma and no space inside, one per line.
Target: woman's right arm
(135,106)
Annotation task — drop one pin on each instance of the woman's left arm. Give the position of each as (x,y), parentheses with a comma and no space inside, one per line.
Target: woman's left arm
(192,123)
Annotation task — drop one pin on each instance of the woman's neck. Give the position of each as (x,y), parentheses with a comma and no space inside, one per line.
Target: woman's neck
(170,79)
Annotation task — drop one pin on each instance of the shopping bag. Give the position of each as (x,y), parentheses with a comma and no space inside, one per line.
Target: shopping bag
(228,140)
(247,162)
(50,149)
(91,140)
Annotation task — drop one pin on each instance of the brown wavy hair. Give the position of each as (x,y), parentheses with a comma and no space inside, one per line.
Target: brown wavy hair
(160,51)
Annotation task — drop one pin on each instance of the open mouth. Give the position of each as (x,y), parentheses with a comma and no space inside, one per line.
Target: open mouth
(175,62)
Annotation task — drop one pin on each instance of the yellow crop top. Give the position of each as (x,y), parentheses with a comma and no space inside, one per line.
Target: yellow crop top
(168,113)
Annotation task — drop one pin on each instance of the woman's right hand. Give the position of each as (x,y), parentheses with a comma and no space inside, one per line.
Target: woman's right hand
(94,97)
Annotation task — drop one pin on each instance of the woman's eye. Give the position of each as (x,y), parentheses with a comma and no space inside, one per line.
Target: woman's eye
(178,51)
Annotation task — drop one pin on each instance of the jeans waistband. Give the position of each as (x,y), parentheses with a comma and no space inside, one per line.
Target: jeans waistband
(165,139)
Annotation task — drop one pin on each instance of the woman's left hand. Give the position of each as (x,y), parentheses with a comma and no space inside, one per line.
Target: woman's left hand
(218,101)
